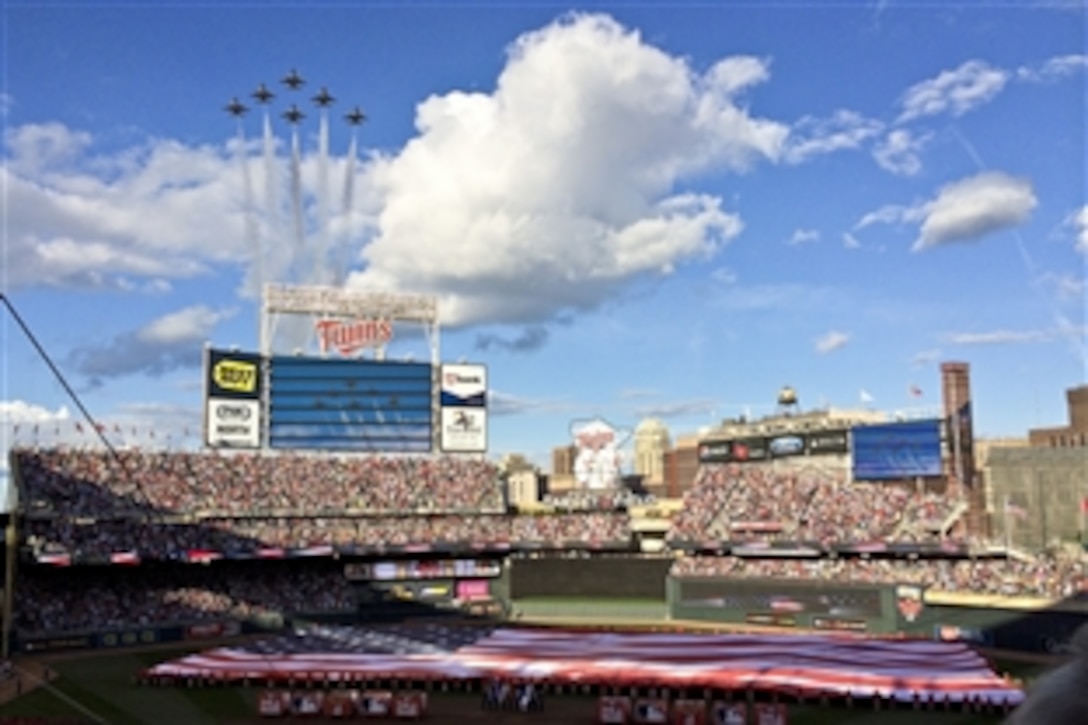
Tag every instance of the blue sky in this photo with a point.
(625, 210)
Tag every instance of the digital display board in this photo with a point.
(782, 598)
(350, 405)
(895, 451)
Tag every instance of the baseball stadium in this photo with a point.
(342, 548)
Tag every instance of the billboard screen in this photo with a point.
(232, 402)
(828, 442)
(463, 416)
(350, 405)
(785, 597)
(897, 450)
(743, 450)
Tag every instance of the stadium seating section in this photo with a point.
(81, 506)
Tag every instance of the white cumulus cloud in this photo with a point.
(963, 210)
(974, 207)
(953, 91)
(558, 187)
(18, 412)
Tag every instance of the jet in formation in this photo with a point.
(262, 95)
(293, 115)
(356, 116)
(293, 80)
(324, 99)
(236, 108)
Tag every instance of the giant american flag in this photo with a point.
(809, 665)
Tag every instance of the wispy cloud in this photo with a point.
(637, 393)
(500, 404)
(1065, 287)
(737, 298)
(953, 91)
(1054, 69)
(1014, 337)
(803, 236)
(684, 409)
(899, 152)
(530, 339)
(849, 241)
(832, 341)
(925, 357)
(724, 275)
(1078, 220)
(168, 343)
(844, 130)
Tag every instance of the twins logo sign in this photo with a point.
(598, 459)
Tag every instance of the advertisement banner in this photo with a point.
(233, 375)
(233, 423)
(463, 386)
(232, 407)
(783, 598)
(786, 445)
(715, 452)
(750, 449)
(473, 589)
(827, 442)
(464, 430)
(896, 451)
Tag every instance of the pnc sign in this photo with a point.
(352, 336)
(235, 375)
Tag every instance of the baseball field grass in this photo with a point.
(100, 688)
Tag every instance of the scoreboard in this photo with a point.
(350, 405)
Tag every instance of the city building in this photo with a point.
(1075, 434)
(524, 487)
(562, 477)
(651, 444)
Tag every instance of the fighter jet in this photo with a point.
(324, 99)
(262, 95)
(356, 116)
(293, 115)
(235, 108)
(293, 80)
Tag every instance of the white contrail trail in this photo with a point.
(320, 254)
(271, 206)
(296, 193)
(349, 202)
(250, 211)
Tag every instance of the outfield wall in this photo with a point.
(788, 604)
(607, 577)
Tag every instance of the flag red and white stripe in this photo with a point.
(906, 670)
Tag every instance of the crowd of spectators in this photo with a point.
(1047, 577)
(733, 502)
(95, 483)
(57, 602)
(57, 536)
